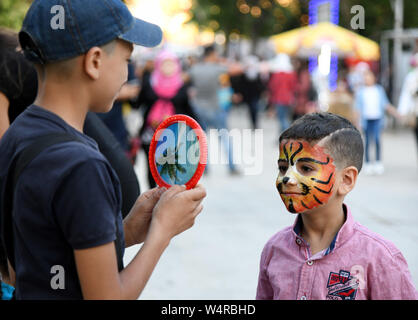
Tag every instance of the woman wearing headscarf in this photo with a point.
(163, 95)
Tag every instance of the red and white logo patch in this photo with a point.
(342, 286)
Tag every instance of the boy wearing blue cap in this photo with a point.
(66, 238)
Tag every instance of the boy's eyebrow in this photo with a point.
(314, 160)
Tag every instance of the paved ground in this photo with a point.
(218, 258)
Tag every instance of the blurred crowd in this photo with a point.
(207, 86)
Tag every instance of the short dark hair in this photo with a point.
(8, 40)
(208, 50)
(12, 61)
(344, 141)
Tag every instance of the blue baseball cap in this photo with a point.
(55, 30)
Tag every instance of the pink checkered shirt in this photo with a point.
(358, 264)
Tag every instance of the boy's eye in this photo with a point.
(283, 169)
(305, 169)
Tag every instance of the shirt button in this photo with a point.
(303, 298)
(298, 241)
(310, 262)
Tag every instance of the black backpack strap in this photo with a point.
(19, 163)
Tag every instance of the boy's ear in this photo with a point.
(93, 60)
(348, 180)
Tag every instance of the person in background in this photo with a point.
(408, 101)
(225, 94)
(226, 98)
(282, 89)
(144, 68)
(342, 103)
(18, 87)
(18, 80)
(163, 95)
(252, 87)
(188, 62)
(305, 95)
(204, 77)
(356, 76)
(372, 102)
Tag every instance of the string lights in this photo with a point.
(334, 7)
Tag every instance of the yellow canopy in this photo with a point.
(308, 40)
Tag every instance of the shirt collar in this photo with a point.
(341, 236)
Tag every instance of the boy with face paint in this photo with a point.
(326, 254)
(306, 175)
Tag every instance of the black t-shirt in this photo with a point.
(18, 82)
(250, 89)
(67, 198)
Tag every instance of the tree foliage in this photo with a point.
(12, 13)
(274, 18)
(257, 18)
(249, 18)
(379, 16)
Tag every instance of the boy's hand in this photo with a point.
(176, 211)
(137, 222)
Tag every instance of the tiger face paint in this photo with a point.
(306, 175)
